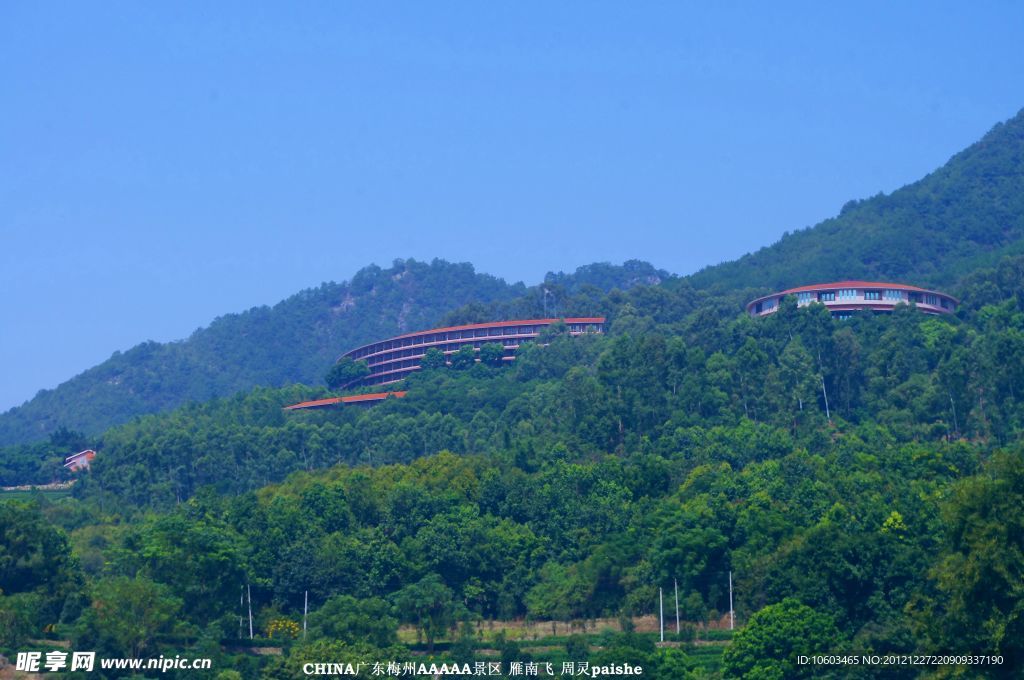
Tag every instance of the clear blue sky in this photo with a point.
(164, 163)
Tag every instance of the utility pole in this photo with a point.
(248, 591)
(305, 610)
(823, 392)
(828, 414)
(675, 583)
(661, 610)
(732, 614)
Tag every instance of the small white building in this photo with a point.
(80, 460)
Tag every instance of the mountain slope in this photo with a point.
(966, 214)
(294, 341)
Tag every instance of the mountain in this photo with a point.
(967, 214)
(295, 341)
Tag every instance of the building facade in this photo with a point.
(395, 358)
(843, 298)
(79, 461)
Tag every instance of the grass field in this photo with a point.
(27, 494)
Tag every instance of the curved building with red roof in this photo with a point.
(843, 298)
(395, 358)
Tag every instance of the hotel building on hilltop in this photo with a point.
(395, 358)
(843, 298)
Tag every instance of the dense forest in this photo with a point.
(860, 479)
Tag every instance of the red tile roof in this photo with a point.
(352, 399)
(88, 453)
(498, 324)
(855, 284)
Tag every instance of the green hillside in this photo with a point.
(860, 479)
(966, 214)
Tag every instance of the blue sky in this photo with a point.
(161, 164)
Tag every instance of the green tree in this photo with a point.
(201, 560)
(560, 594)
(577, 648)
(433, 358)
(352, 620)
(627, 648)
(799, 380)
(34, 555)
(464, 358)
(429, 604)
(768, 646)
(979, 577)
(19, 618)
(345, 371)
(128, 615)
(491, 354)
(751, 365)
(673, 663)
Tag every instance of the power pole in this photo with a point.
(248, 591)
(661, 610)
(305, 610)
(828, 414)
(675, 583)
(732, 614)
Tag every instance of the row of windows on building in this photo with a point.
(449, 347)
(806, 297)
(433, 338)
(890, 295)
(391, 359)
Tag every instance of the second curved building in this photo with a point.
(843, 298)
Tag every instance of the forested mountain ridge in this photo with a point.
(295, 341)
(967, 214)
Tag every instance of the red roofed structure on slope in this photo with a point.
(332, 402)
